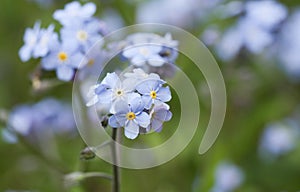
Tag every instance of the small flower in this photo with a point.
(159, 114)
(110, 90)
(46, 37)
(21, 119)
(139, 75)
(30, 41)
(82, 35)
(48, 114)
(74, 13)
(228, 177)
(140, 55)
(131, 116)
(63, 58)
(153, 92)
(279, 139)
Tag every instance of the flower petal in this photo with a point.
(131, 130)
(64, 73)
(164, 94)
(143, 119)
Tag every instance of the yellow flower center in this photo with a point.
(62, 56)
(130, 116)
(82, 35)
(91, 62)
(119, 92)
(153, 94)
(144, 51)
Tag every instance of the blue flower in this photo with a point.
(279, 138)
(153, 92)
(21, 119)
(130, 116)
(111, 90)
(74, 13)
(63, 58)
(37, 42)
(30, 38)
(43, 45)
(159, 114)
(83, 35)
(48, 114)
(139, 75)
(228, 177)
(142, 54)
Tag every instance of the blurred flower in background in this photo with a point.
(46, 116)
(253, 31)
(289, 45)
(228, 177)
(279, 138)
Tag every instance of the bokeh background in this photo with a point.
(257, 47)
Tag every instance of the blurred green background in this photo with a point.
(259, 93)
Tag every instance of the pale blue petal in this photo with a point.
(143, 119)
(131, 130)
(64, 73)
(111, 79)
(138, 60)
(25, 53)
(50, 62)
(120, 107)
(105, 96)
(88, 9)
(76, 59)
(121, 119)
(112, 121)
(136, 104)
(145, 87)
(163, 115)
(147, 101)
(129, 84)
(156, 125)
(130, 52)
(156, 61)
(164, 94)
(154, 48)
(93, 101)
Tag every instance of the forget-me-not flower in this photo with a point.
(279, 138)
(82, 35)
(131, 116)
(74, 13)
(159, 114)
(253, 31)
(46, 36)
(228, 177)
(46, 114)
(30, 38)
(153, 92)
(139, 75)
(111, 90)
(63, 58)
(142, 54)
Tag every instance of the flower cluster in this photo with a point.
(253, 31)
(48, 114)
(64, 52)
(136, 101)
(149, 51)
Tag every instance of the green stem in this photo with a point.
(116, 177)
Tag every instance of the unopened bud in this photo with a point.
(87, 153)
